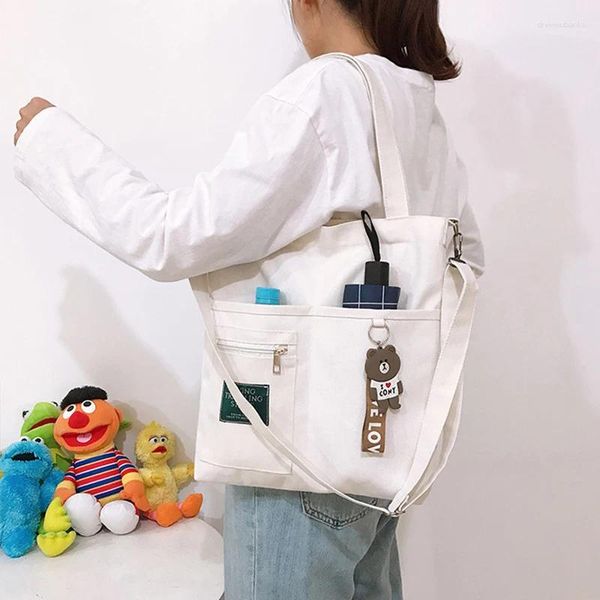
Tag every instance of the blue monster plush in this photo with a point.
(26, 489)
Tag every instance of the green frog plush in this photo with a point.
(38, 424)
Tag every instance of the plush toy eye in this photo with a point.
(39, 440)
(55, 403)
(163, 439)
(88, 406)
(154, 439)
(24, 438)
(68, 411)
(24, 414)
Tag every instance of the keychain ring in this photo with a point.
(387, 334)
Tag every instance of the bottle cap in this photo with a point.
(266, 295)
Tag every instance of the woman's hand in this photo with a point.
(32, 108)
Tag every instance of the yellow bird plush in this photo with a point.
(154, 447)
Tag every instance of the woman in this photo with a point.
(305, 153)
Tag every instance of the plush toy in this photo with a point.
(154, 446)
(38, 423)
(26, 489)
(55, 534)
(101, 487)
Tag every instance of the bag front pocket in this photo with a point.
(263, 365)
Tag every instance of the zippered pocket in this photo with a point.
(263, 365)
(275, 351)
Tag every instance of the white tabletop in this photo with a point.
(182, 562)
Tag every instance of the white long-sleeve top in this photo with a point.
(304, 152)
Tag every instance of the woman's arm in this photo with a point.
(270, 188)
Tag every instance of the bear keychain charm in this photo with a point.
(383, 390)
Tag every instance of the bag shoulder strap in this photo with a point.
(457, 316)
(391, 170)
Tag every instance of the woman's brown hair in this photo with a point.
(406, 32)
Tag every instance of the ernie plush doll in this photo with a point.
(101, 487)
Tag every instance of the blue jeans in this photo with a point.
(282, 545)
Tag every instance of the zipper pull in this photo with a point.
(277, 354)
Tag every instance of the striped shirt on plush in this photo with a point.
(101, 475)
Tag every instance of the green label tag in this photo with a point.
(256, 394)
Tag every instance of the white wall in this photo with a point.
(166, 88)
(515, 513)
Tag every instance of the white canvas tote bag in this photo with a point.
(302, 363)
